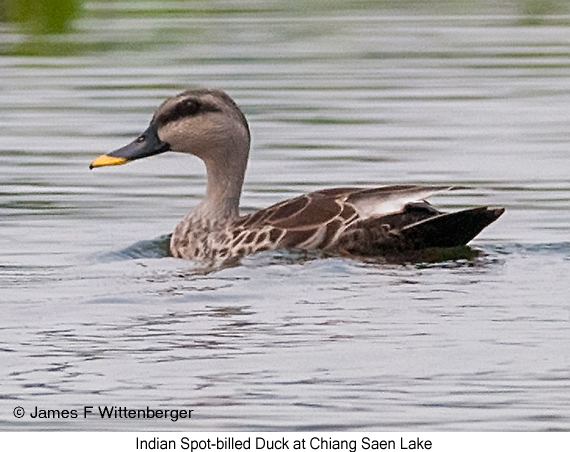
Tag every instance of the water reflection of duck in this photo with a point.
(389, 222)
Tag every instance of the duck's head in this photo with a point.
(203, 122)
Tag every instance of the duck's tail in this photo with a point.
(448, 229)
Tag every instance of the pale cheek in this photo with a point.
(196, 137)
(175, 138)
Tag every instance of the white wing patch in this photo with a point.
(378, 202)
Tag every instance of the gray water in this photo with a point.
(95, 313)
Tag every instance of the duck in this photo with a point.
(389, 223)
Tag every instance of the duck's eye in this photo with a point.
(188, 108)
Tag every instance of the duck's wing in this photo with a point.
(418, 227)
(319, 219)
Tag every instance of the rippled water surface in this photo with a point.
(96, 313)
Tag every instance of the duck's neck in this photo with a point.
(223, 190)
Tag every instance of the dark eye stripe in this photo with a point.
(183, 109)
(188, 107)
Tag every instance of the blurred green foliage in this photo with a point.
(39, 19)
(534, 10)
(41, 16)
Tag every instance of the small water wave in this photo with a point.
(530, 249)
(145, 249)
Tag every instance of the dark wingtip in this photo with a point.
(497, 211)
(451, 229)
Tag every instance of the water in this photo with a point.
(95, 313)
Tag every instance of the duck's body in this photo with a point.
(385, 222)
(335, 221)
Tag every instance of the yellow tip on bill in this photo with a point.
(106, 160)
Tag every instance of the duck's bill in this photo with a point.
(144, 146)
